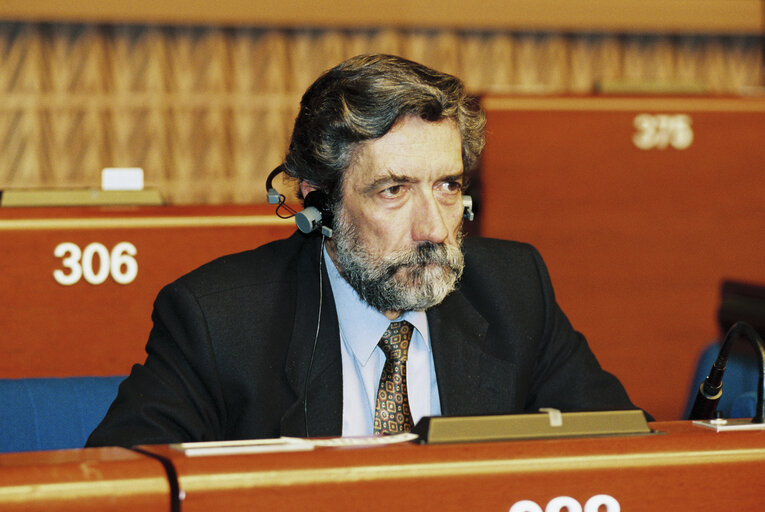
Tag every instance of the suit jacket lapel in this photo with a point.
(324, 401)
(471, 380)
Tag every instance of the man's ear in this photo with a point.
(305, 188)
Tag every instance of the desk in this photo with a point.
(97, 479)
(78, 283)
(683, 467)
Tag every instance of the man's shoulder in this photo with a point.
(488, 250)
(493, 263)
(505, 281)
(271, 263)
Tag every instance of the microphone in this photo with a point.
(710, 390)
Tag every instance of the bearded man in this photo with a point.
(391, 318)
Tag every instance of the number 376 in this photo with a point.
(95, 263)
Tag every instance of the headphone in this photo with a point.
(316, 213)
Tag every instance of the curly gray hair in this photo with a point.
(361, 99)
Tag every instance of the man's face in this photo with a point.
(397, 239)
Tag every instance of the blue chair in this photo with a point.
(52, 413)
(744, 405)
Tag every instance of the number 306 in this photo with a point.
(96, 263)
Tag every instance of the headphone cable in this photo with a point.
(316, 337)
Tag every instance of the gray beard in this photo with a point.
(406, 280)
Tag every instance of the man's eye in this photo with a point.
(452, 186)
(392, 191)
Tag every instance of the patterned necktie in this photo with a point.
(392, 414)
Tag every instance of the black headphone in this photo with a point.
(317, 214)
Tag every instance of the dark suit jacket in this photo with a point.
(232, 345)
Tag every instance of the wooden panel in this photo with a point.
(102, 479)
(77, 98)
(637, 240)
(676, 16)
(639, 473)
(50, 329)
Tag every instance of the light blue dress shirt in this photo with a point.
(361, 328)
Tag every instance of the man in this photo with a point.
(283, 340)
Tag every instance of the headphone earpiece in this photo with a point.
(315, 214)
(467, 203)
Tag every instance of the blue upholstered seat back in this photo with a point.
(739, 381)
(52, 413)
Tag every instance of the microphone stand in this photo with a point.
(710, 390)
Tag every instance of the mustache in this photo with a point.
(422, 255)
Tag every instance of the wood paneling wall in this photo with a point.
(207, 110)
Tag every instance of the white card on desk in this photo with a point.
(282, 444)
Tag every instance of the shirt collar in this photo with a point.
(362, 326)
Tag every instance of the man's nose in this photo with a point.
(429, 221)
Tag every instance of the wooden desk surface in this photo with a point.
(682, 467)
(86, 309)
(97, 479)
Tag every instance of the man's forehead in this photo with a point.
(414, 130)
(410, 151)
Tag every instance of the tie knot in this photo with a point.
(395, 342)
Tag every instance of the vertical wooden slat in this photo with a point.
(207, 111)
